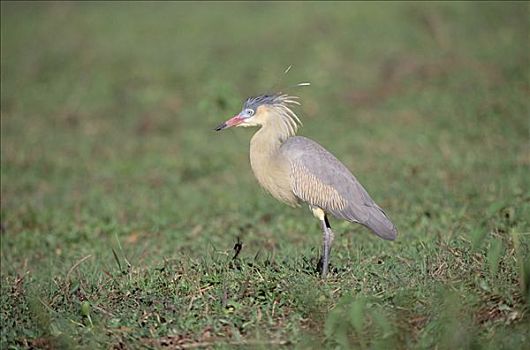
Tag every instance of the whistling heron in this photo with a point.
(296, 170)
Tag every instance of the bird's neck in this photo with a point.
(270, 167)
(267, 141)
(271, 136)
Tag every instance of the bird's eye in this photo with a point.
(250, 112)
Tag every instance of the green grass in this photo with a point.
(121, 206)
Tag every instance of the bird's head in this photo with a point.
(264, 109)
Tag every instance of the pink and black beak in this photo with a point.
(238, 119)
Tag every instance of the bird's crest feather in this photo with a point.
(280, 104)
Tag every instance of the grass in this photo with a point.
(121, 206)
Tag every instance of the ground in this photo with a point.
(121, 206)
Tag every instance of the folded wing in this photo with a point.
(321, 180)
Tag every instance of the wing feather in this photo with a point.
(321, 180)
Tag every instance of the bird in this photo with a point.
(297, 170)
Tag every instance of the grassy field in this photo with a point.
(121, 206)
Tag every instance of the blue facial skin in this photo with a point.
(250, 107)
(247, 113)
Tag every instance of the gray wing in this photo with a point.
(320, 179)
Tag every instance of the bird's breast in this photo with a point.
(272, 173)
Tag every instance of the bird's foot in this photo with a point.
(320, 265)
(321, 268)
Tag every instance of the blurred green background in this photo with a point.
(121, 205)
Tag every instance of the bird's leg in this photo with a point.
(326, 246)
(324, 258)
(328, 236)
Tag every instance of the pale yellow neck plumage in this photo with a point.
(269, 166)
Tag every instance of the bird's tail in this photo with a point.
(380, 224)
